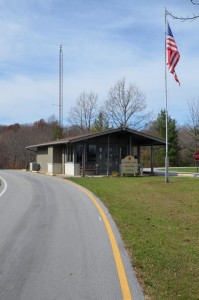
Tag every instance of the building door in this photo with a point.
(102, 159)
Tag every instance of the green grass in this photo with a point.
(159, 224)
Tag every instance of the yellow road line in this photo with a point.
(118, 260)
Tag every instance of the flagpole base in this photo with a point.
(166, 170)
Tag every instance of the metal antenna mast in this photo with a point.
(61, 86)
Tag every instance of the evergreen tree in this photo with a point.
(101, 122)
(173, 139)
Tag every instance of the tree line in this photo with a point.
(125, 106)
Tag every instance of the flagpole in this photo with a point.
(166, 115)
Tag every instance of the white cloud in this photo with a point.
(103, 41)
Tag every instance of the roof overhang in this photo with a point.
(141, 139)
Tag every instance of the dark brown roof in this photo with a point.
(142, 138)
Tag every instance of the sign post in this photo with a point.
(196, 157)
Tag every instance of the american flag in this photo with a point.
(173, 54)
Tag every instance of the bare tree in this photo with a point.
(83, 113)
(193, 120)
(126, 105)
(187, 146)
(15, 138)
(195, 16)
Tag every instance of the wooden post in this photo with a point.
(84, 160)
(152, 159)
(108, 149)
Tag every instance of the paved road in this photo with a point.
(160, 172)
(54, 244)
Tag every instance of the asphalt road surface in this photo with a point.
(54, 244)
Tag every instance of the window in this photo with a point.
(91, 153)
(123, 152)
(80, 150)
(70, 153)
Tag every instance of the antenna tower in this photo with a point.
(61, 86)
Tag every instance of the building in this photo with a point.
(93, 154)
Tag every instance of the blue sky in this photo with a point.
(103, 41)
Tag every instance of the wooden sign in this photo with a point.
(129, 165)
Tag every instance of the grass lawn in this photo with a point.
(159, 224)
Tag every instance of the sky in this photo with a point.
(103, 42)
